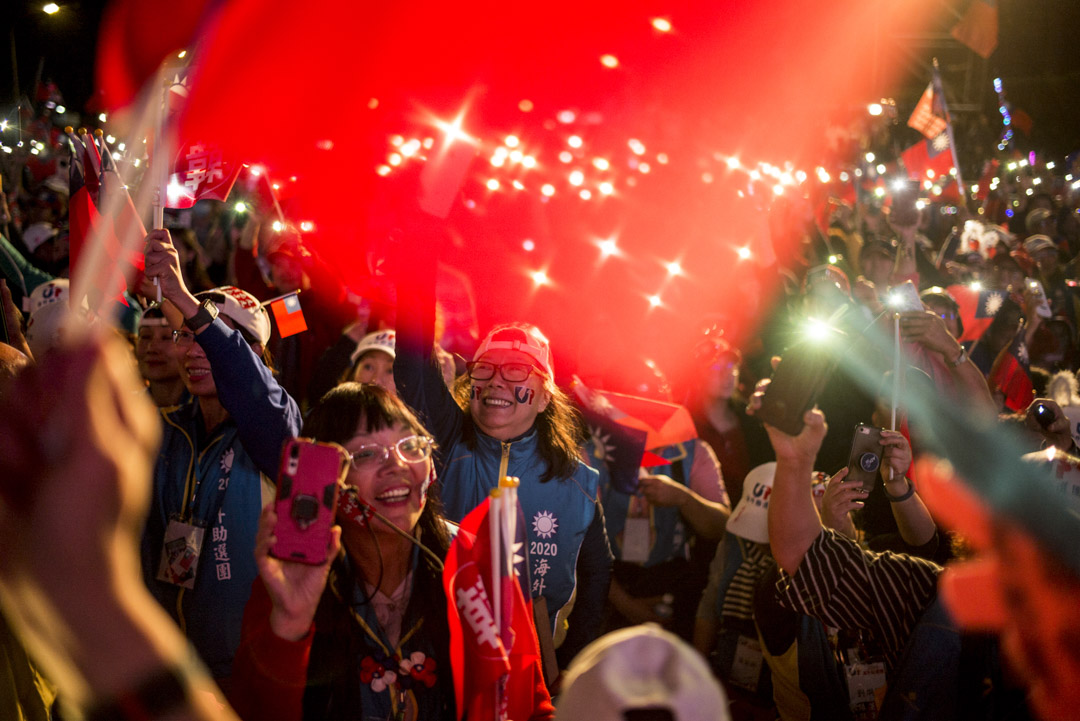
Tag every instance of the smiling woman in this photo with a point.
(507, 417)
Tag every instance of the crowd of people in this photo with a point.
(798, 579)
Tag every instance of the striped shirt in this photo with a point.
(847, 587)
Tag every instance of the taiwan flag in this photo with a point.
(977, 308)
(288, 315)
(930, 158)
(1012, 375)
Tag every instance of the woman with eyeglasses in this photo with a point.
(365, 635)
(506, 416)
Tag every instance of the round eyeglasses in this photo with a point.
(510, 372)
(183, 337)
(410, 449)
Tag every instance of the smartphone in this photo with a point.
(1043, 308)
(797, 383)
(1043, 415)
(905, 210)
(904, 298)
(307, 495)
(865, 459)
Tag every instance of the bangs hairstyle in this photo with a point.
(337, 417)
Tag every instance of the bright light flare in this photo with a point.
(3, 125)
(601, 163)
(655, 301)
(512, 141)
(453, 130)
(743, 253)
(307, 226)
(493, 184)
(874, 109)
(540, 278)
(51, 9)
(733, 163)
(609, 61)
(566, 156)
(636, 146)
(816, 330)
(606, 188)
(278, 226)
(674, 268)
(608, 247)
(662, 25)
(547, 189)
(241, 207)
(577, 178)
(529, 162)
(823, 175)
(410, 148)
(529, 245)
(574, 141)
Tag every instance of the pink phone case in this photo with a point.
(307, 494)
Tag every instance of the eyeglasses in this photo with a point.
(411, 449)
(510, 372)
(950, 315)
(183, 337)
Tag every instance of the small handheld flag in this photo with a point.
(288, 315)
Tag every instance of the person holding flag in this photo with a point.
(367, 633)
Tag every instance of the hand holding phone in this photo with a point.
(797, 382)
(307, 494)
(865, 459)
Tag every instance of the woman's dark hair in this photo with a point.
(336, 418)
(352, 407)
(558, 426)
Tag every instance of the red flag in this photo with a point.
(483, 661)
(978, 29)
(288, 315)
(930, 158)
(200, 170)
(977, 308)
(665, 424)
(1011, 373)
(85, 222)
(923, 118)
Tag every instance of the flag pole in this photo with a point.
(495, 505)
(939, 87)
(160, 166)
(896, 377)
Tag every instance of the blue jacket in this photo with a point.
(213, 479)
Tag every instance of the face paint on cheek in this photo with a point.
(475, 393)
(524, 395)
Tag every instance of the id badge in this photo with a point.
(180, 554)
(636, 540)
(866, 687)
(746, 667)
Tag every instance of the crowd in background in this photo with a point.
(809, 594)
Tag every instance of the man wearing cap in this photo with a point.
(219, 449)
(876, 260)
(1060, 292)
(509, 418)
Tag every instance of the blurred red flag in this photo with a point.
(930, 158)
(923, 118)
(480, 658)
(978, 29)
(1011, 373)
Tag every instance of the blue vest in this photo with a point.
(557, 513)
(667, 532)
(227, 503)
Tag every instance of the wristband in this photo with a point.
(203, 316)
(903, 497)
(154, 697)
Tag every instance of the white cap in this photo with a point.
(641, 667)
(750, 519)
(242, 308)
(37, 234)
(54, 291)
(384, 340)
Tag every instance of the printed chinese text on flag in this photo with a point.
(1011, 373)
(924, 118)
(288, 315)
(200, 172)
(483, 659)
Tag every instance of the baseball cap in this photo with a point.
(54, 291)
(750, 519)
(1038, 243)
(383, 340)
(47, 326)
(38, 233)
(641, 668)
(242, 308)
(520, 337)
(1035, 218)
